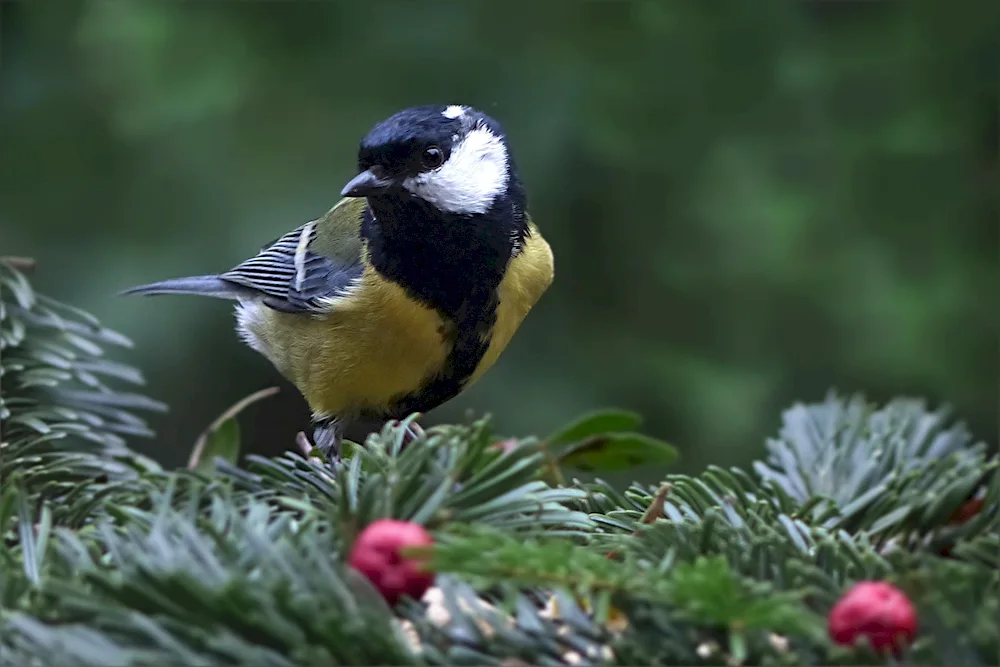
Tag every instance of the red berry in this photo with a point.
(376, 555)
(876, 610)
(966, 511)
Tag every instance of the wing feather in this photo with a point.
(294, 278)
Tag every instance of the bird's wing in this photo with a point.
(293, 277)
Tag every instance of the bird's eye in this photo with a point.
(432, 158)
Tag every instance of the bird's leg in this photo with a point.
(304, 443)
(328, 436)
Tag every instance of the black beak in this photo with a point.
(370, 182)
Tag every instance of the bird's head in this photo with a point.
(454, 158)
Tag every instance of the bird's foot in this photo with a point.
(327, 437)
(304, 443)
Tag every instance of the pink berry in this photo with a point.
(876, 610)
(376, 555)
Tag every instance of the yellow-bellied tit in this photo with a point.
(407, 290)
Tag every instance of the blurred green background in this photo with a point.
(749, 203)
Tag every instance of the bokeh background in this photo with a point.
(749, 202)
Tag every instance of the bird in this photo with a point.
(407, 291)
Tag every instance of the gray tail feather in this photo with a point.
(212, 286)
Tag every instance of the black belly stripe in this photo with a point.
(469, 339)
(453, 264)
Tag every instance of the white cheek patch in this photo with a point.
(470, 180)
(454, 111)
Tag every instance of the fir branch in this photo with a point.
(63, 421)
(491, 555)
(107, 559)
(245, 587)
(449, 474)
(459, 627)
(849, 450)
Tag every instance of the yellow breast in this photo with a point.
(378, 344)
(375, 345)
(530, 273)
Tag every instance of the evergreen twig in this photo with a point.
(106, 559)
